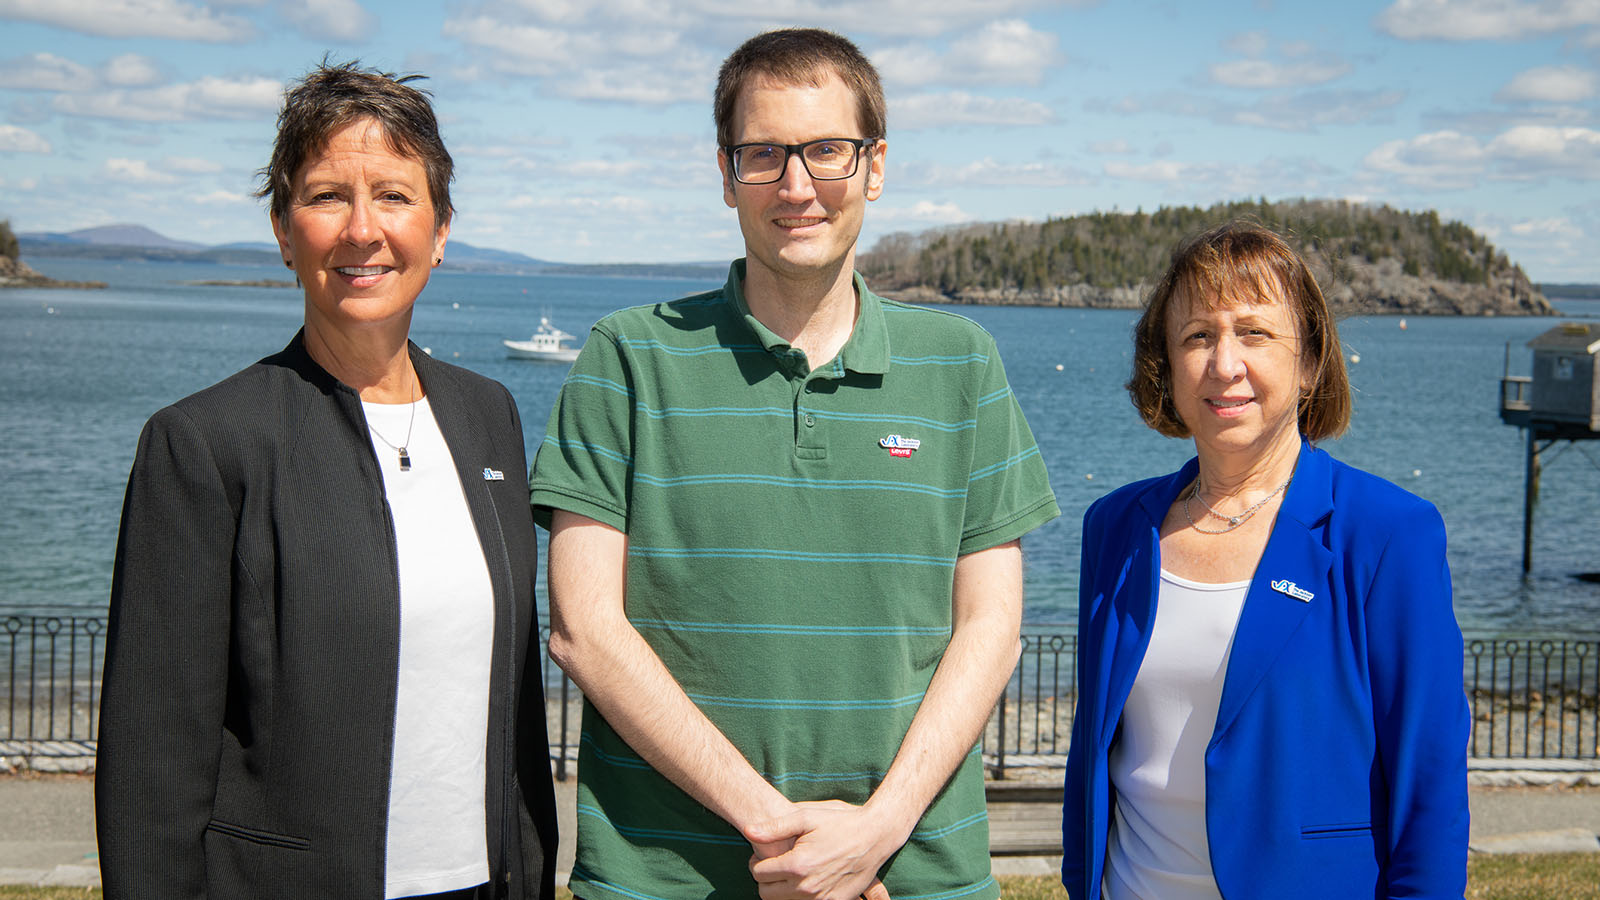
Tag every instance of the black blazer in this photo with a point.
(249, 688)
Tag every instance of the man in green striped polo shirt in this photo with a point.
(785, 562)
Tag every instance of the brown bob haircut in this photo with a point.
(799, 56)
(331, 97)
(1242, 262)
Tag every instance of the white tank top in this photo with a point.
(436, 832)
(1157, 849)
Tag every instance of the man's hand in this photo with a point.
(827, 850)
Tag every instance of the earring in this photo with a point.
(288, 264)
(439, 261)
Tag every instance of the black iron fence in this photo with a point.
(1533, 697)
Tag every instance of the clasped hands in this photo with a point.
(823, 850)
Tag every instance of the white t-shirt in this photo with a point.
(436, 832)
(1157, 849)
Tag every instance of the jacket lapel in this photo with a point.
(1135, 600)
(1294, 565)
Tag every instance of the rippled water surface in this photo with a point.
(82, 370)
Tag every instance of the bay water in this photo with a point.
(82, 370)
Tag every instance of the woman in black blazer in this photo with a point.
(322, 607)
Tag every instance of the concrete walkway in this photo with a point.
(47, 825)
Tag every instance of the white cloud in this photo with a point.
(172, 19)
(223, 198)
(131, 70)
(1302, 111)
(889, 18)
(136, 171)
(1247, 43)
(330, 20)
(45, 72)
(1550, 84)
(924, 212)
(1441, 160)
(642, 84)
(15, 139)
(1490, 121)
(191, 165)
(1008, 51)
(1203, 182)
(912, 64)
(1111, 148)
(1532, 150)
(1263, 74)
(647, 53)
(599, 64)
(604, 169)
(1450, 160)
(520, 147)
(1558, 227)
(1158, 171)
(208, 98)
(961, 108)
(1497, 20)
(989, 173)
(626, 204)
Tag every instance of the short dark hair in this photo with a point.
(800, 56)
(1242, 262)
(331, 97)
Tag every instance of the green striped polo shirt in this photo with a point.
(792, 538)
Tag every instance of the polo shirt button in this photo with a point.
(809, 388)
(810, 420)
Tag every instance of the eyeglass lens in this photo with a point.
(764, 163)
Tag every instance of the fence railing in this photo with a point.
(1532, 697)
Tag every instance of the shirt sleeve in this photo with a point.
(585, 463)
(1008, 492)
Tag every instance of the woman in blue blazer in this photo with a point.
(1270, 700)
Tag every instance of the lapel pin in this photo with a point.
(493, 475)
(1288, 587)
(898, 446)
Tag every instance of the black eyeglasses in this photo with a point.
(827, 159)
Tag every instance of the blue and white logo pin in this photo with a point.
(899, 446)
(493, 475)
(1285, 586)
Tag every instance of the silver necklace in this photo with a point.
(1233, 521)
(405, 458)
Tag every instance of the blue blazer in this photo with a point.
(1337, 767)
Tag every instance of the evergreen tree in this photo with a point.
(8, 241)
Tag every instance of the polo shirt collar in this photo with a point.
(866, 351)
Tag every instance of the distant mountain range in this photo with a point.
(136, 242)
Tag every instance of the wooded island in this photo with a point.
(1370, 259)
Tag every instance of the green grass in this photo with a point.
(1532, 876)
(1542, 876)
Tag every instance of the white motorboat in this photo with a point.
(545, 344)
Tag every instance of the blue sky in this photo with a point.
(582, 130)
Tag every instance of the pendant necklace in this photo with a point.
(1233, 521)
(405, 458)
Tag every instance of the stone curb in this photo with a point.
(1565, 840)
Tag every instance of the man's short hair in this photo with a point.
(800, 56)
(1242, 262)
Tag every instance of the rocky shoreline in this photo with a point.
(258, 283)
(1364, 290)
(14, 273)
